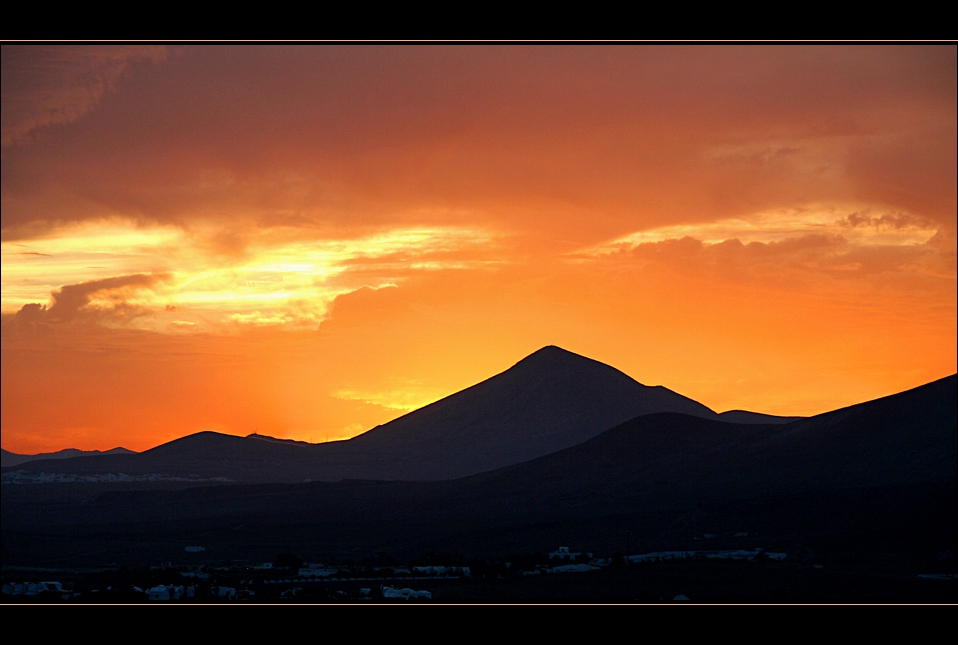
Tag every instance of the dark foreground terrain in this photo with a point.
(696, 581)
(855, 505)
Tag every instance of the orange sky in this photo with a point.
(308, 241)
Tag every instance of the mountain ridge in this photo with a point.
(550, 400)
(652, 463)
(9, 459)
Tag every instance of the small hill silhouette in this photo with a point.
(9, 459)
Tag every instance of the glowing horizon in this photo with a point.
(310, 241)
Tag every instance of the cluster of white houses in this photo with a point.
(31, 588)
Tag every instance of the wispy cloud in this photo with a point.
(270, 282)
(861, 227)
(410, 397)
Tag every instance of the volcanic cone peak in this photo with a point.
(555, 360)
(550, 400)
(553, 355)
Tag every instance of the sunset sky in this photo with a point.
(307, 241)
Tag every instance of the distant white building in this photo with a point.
(166, 592)
(574, 568)
(195, 549)
(317, 571)
(405, 594)
(226, 592)
(737, 554)
(563, 553)
(195, 574)
(443, 571)
(31, 588)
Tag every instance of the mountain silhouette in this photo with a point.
(878, 476)
(551, 400)
(669, 460)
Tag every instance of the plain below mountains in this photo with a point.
(549, 401)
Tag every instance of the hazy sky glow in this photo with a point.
(308, 241)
